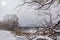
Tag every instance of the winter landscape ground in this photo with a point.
(6, 35)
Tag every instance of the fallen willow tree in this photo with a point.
(49, 31)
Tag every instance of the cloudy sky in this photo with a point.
(26, 16)
(7, 6)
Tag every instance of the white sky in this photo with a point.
(6, 6)
(25, 15)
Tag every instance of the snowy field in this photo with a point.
(42, 37)
(6, 35)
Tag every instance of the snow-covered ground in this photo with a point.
(43, 37)
(6, 35)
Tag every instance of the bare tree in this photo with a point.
(10, 23)
(42, 4)
(45, 5)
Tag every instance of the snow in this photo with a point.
(58, 37)
(21, 38)
(43, 37)
(6, 35)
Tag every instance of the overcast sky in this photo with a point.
(25, 15)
